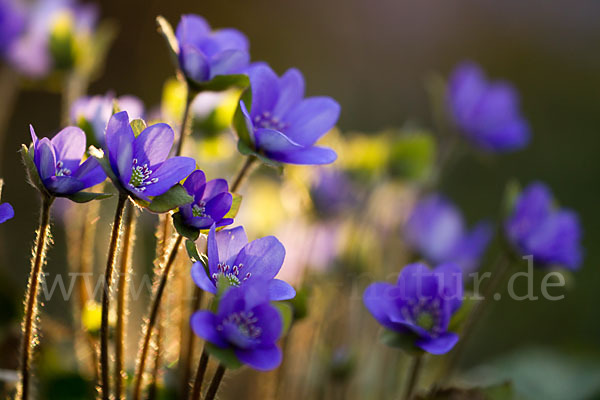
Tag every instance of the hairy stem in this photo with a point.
(186, 121)
(202, 364)
(216, 382)
(242, 174)
(31, 306)
(151, 321)
(190, 345)
(124, 270)
(110, 264)
(413, 377)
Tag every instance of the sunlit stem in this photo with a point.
(200, 372)
(186, 121)
(216, 382)
(124, 271)
(110, 264)
(31, 304)
(242, 174)
(189, 349)
(151, 320)
(413, 378)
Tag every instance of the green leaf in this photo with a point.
(31, 170)
(287, 315)
(412, 156)
(84, 197)
(166, 31)
(175, 197)
(225, 356)
(183, 229)
(221, 82)
(138, 125)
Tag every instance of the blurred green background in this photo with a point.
(374, 56)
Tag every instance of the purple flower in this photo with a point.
(331, 191)
(436, 229)
(487, 113)
(204, 54)
(141, 164)
(95, 111)
(12, 22)
(246, 323)
(538, 228)
(232, 258)
(6, 212)
(58, 162)
(212, 201)
(420, 305)
(282, 124)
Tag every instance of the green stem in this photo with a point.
(141, 363)
(242, 174)
(124, 269)
(110, 264)
(202, 364)
(186, 121)
(31, 306)
(216, 382)
(413, 377)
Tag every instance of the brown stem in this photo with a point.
(31, 307)
(190, 345)
(139, 375)
(186, 121)
(216, 382)
(414, 377)
(242, 174)
(122, 287)
(153, 387)
(110, 264)
(202, 364)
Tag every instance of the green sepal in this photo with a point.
(235, 206)
(239, 121)
(300, 303)
(225, 356)
(105, 164)
(184, 230)
(174, 198)
(194, 255)
(246, 150)
(166, 31)
(287, 315)
(512, 190)
(220, 83)
(461, 315)
(403, 341)
(137, 125)
(85, 197)
(31, 170)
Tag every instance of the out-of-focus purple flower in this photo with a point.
(12, 22)
(6, 212)
(282, 124)
(32, 54)
(331, 191)
(141, 164)
(58, 162)
(486, 112)
(538, 228)
(95, 111)
(232, 258)
(212, 201)
(246, 323)
(436, 229)
(420, 305)
(204, 53)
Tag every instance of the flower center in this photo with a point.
(425, 320)
(424, 314)
(140, 176)
(231, 274)
(199, 210)
(245, 321)
(61, 170)
(268, 121)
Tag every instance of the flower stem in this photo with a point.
(202, 364)
(413, 377)
(501, 268)
(31, 307)
(124, 270)
(242, 174)
(188, 351)
(216, 382)
(151, 322)
(186, 121)
(110, 264)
